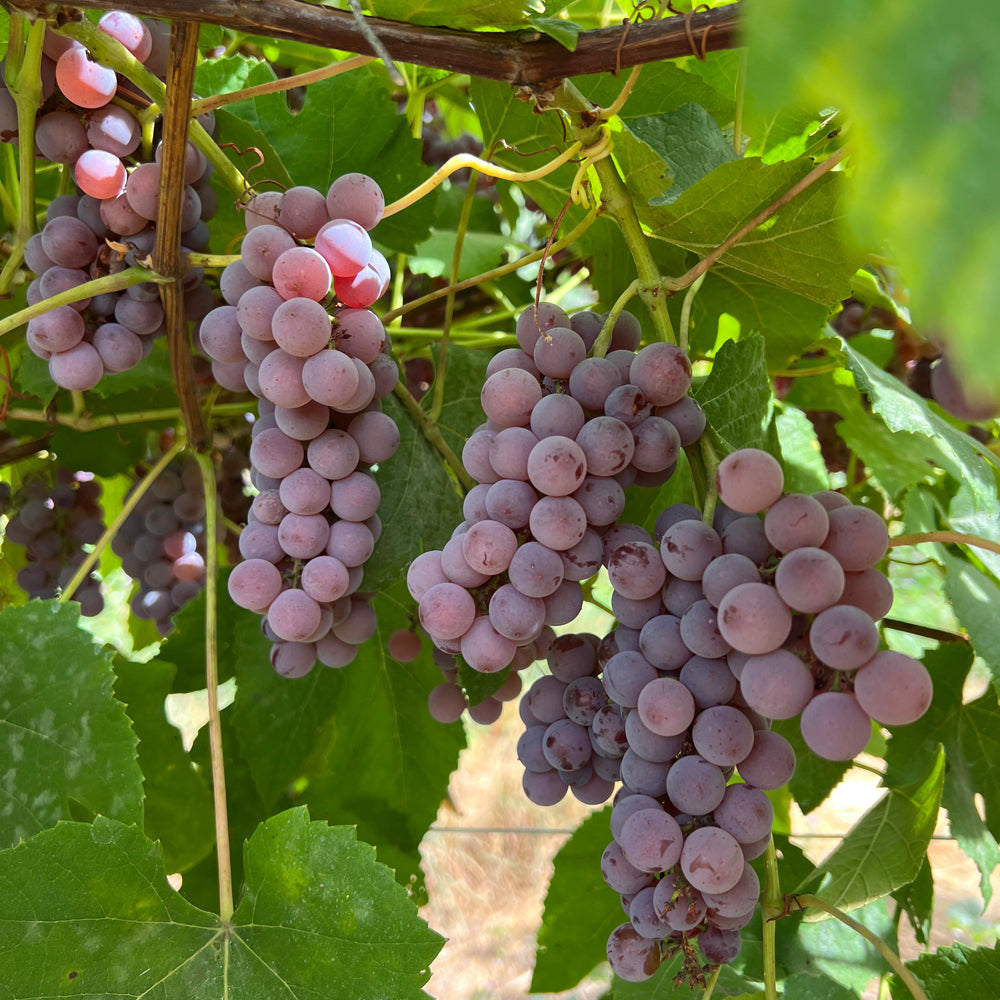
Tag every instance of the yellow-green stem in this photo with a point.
(770, 910)
(710, 985)
(600, 348)
(127, 507)
(741, 93)
(212, 686)
(432, 433)
(953, 537)
(685, 320)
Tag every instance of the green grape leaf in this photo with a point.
(920, 113)
(814, 777)
(801, 456)
(885, 848)
(564, 32)
(799, 248)
(64, 735)
(968, 733)
(480, 252)
(105, 452)
(358, 744)
(806, 987)
(945, 445)
(917, 901)
(956, 971)
(736, 396)
(975, 598)
(318, 917)
(453, 13)
(580, 910)
(687, 141)
(178, 802)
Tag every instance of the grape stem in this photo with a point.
(461, 160)
(168, 257)
(603, 342)
(26, 88)
(771, 909)
(127, 507)
(85, 423)
(695, 272)
(134, 275)
(212, 684)
(710, 985)
(685, 320)
(955, 537)
(909, 980)
(205, 104)
(433, 435)
(496, 272)
(938, 634)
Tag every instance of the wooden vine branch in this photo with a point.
(523, 58)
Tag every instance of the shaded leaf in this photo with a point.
(814, 777)
(63, 734)
(452, 13)
(801, 457)
(958, 971)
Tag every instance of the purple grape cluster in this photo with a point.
(53, 520)
(320, 429)
(574, 737)
(801, 613)
(85, 123)
(565, 435)
(162, 544)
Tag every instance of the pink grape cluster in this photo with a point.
(801, 608)
(162, 544)
(320, 430)
(565, 435)
(53, 521)
(85, 126)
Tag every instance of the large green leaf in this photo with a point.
(178, 806)
(580, 910)
(922, 94)
(975, 598)
(65, 738)
(357, 744)
(801, 456)
(736, 396)
(453, 13)
(958, 971)
(800, 248)
(970, 734)
(88, 911)
(885, 848)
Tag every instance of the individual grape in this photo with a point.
(60, 138)
(345, 245)
(355, 497)
(300, 326)
(583, 560)
(293, 615)
(79, 368)
(509, 396)
(645, 918)
(607, 444)
(753, 619)
(303, 536)
(564, 604)
(711, 860)
(678, 595)
(304, 423)
(275, 454)
(662, 372)
(509, 451)
(720, 947)
(749, 480)
(857, 538)
(558, 351)
(958, 398)
(120, 349)
(302, 211)
(539, 319)
(304, 492)
(893, 688)
(843, 637)
(725, 572)
(516, 616)
(219, 334)
(350, 542)
(456, 567)
(608, 732)
(687, 547)
(661, 643)
(746, 813)
(566, 745)
(636, 571)
(745, 536)
(649, 745)
(334, 454)
(357, 197)
(699, 629)
(558, 523)
(741, 900)
(778, 685)
(260, 541)
(797, 520)
(485, 649)
(626, 676)
(114, 130)
(665, 706)
(325, 579)
(710, 681)
(557, 414)
(529, 750)
(424, 572)
(261, 247)
(835, 726)
(509, 501)
(771, 762)
(488, 547)
(84, 82)
(592, 380)
(809, 580)
(583, 698)
(688, 419)
(544, 789)
(870, 590)
(57, 330)
(301, 272)
(254, 584)
(627, 404)
(695, 786)
(652, 841)
(723, 735)
(68, 242)
(367, 286)
(556, 466)
(129, 30)
(262, 210)
(671, 515)
(331, 377)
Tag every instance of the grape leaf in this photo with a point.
(814, 777)
(801, 456)
(64, 736)
(917, 901)
(968, 733)
(885, 848)
(956, 971)
(318, 917)
(580, 910)
(975, 598)
(736, 396)
(564, 32)
(920, 113)
(178, 803)
(453, 13)
(807, 987)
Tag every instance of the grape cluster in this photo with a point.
(85, 123)
(53, 521)
(801, 623)
(320, 427)
(565, 435)
(162, 543)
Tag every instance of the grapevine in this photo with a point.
(374, 390)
